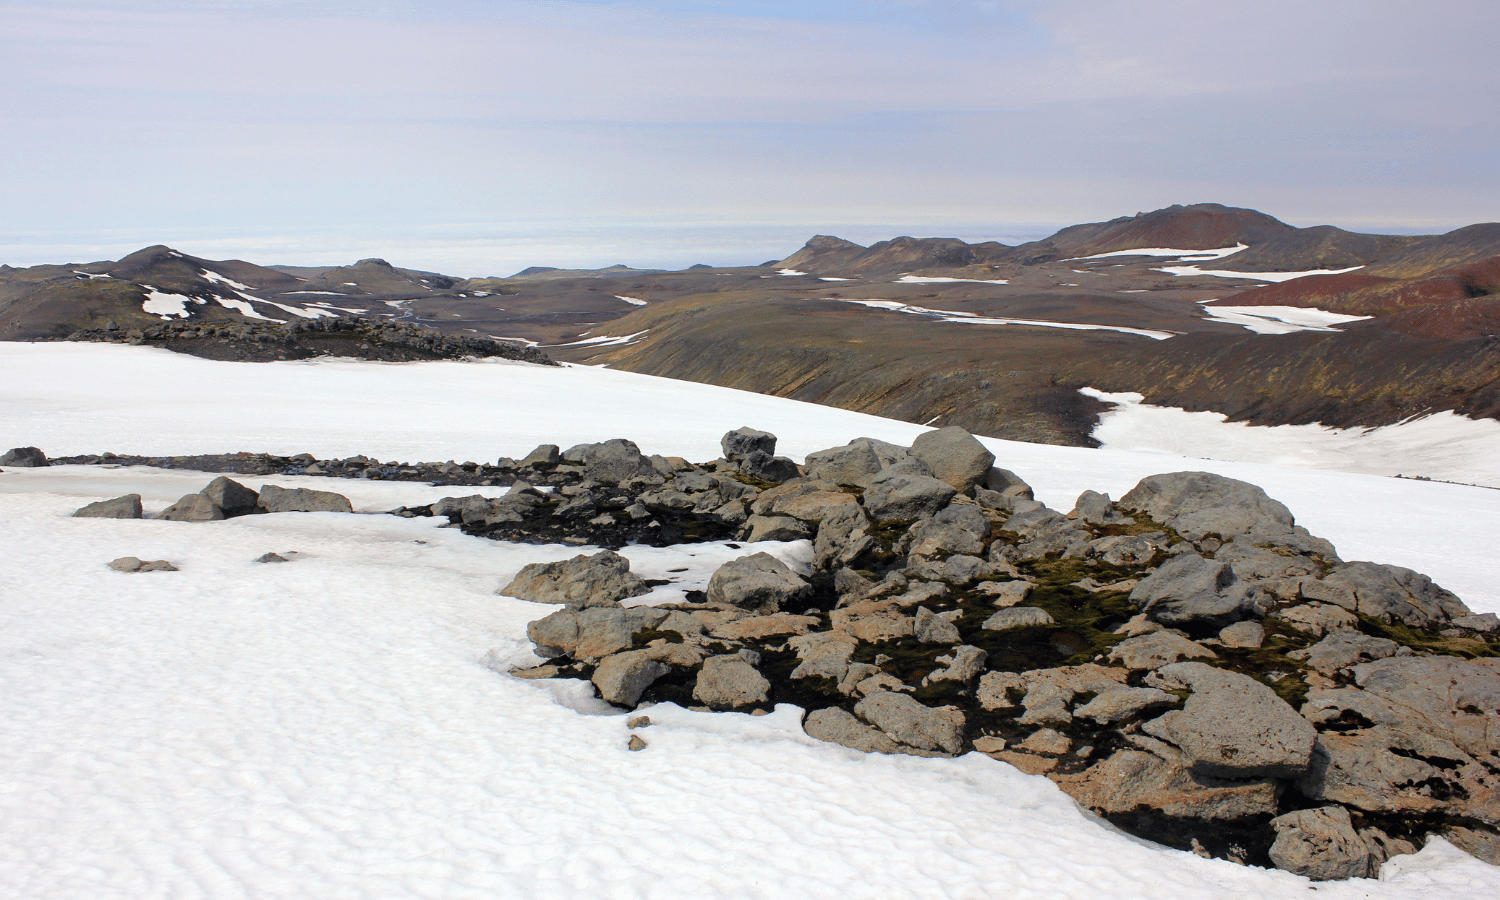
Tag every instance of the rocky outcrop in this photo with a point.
(1187, 662)
(23, 458)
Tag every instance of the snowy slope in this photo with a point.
(325, 728)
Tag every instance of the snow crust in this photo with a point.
(340, 725)
(1196, 255)
(1252, 276)
(964, 318)
(1278, 319)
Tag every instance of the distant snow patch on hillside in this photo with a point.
(789, 272)
(165, 304)
(1277, 277)
(631, 300)
(242, 306)
(939, 279)
(1190, 255)
(963, 318)
(216, 278)
(603, 341)
(1444, 446)
(1278, 319)
(833, 278)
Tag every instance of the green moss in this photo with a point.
(1427, 639)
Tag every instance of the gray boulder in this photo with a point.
(232, 497)
(622, 678)
(895, 496)
(909, 722)
(836, 726)
(1197, 504)
(23, 458)
(954, 456)
(1344, 649)
(1120, 704)
(1232, 726)
(1243, 635)
(774, 528)
(126, 507)
(764, 466)
(849, 465)
(1390, 593)
(1007, 484)
(1190, 589)
(967, 665)
(1096, 509)
(192, 508)
(583, 581)
(933, 629)
(1018, 617)
(544, 455)
(1134, 779)
(741, 442)
(822, 654)
(759, 581)
(615, 461)
(1320, 844)
(1160, 648)
(842, 538)
(279, 499)
(730, 682)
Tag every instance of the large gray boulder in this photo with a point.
(593, 633)
(842, 538)
(232, 497)
(1133, 779)
(730, 682)
(849, 465)
(126, 507)
(759, 581)
(614, 461)
(1386, 592)
(895, 496)
(773, 528)
(1188, 589)
(192, 508)
(622, 678)
(1197, 504)
(1232, 726)
(603, 579)
(1320, 844)
(23, 458)
(275, 499)
(1096, 509)
(545, 455)
(954, 456)
(837, 726)
(741, 442)
(765, 467)
(910, 723)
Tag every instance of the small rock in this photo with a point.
(638, 722)
(730, 682)
(989, 744)
(1018, 617)
(1152, 651)
(272, 558)
(134, 564)
(636, 743)
(759, 581)
(1244, 635)
(1320, 844)
(126, 507)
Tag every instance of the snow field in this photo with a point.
(963, 318)
(323, 728)
(1278, 319)
(1252, 276)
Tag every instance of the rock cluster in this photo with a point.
(307, 338)
(223, 498)
(1186, 661)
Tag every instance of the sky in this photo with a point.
(477, 137)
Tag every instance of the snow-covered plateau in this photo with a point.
(325, 728)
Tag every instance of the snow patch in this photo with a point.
(1278, 319)
(963, 318)
(939, 279)
(789, 272)
(1277, 277)
(241, 305)
(631, 300)
(833, 278)
(165, 304)
(1192, 255)
(603, 341)
(216, 278)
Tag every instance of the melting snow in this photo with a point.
(1198, 255)
(90, 275)
(165, 304)
(631, 300)
(242, 306)
(1252, 276)
(329, 727)
(789, 272)
(602, 341)
(1278, 319)
(963, 318)
(216, 278)
(938, 279)
(833, 278)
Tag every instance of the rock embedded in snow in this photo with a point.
(126, 507)
(135, 564)
(954, 456)
(623, 677)
(730, 682)
(23, 458)
(274, 498)
(192, 508)
(1320, 844)
(603, 579)
(232, 497)
(911, 724)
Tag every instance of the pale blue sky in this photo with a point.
(480, 137)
